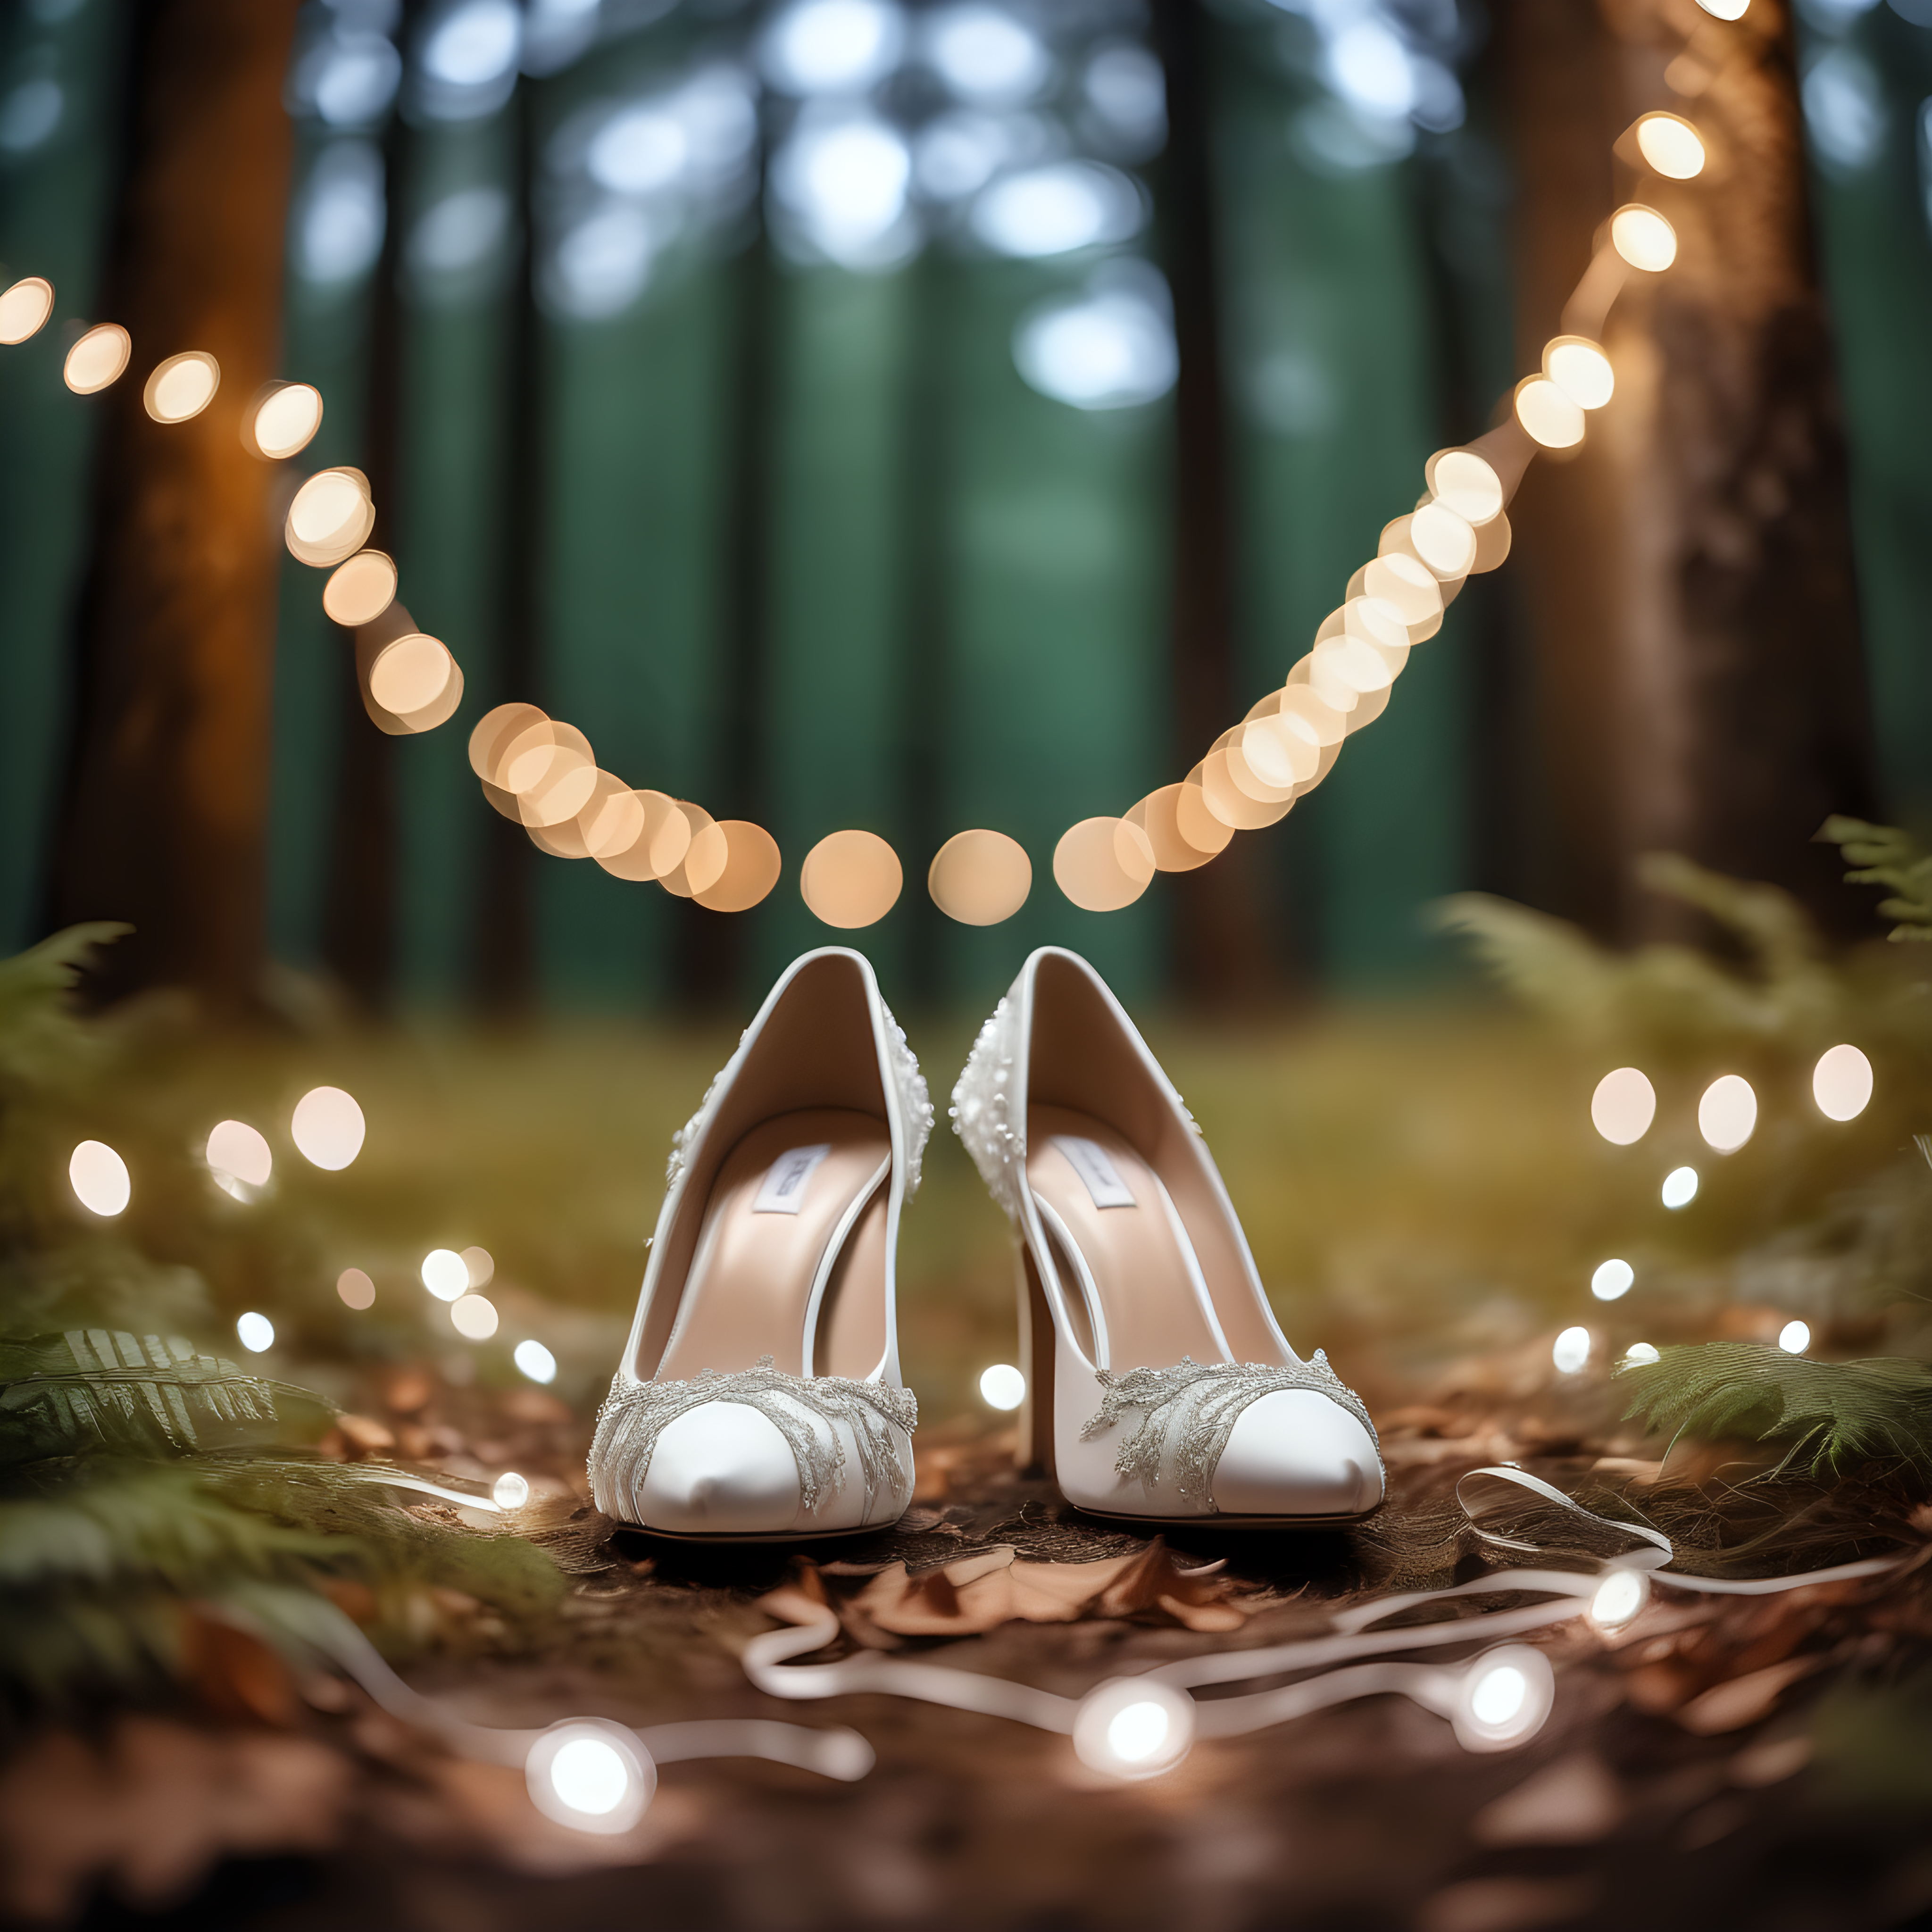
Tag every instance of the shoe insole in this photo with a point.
(1124, 1258)
(790, 1259)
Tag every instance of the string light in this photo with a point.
(590, 1775)
(24, 307)
(360, 590)
(1727, 1114)
(330, 516)
(1552, 417)
(256, 1332)
(851, 879)
(181, 387)
(1680, 1187)
(99, 1180)
(1623, 1106)
(1794, 1337)
(979, 877)
(1641, 1354)
(533, 1360)
(1670, 146)
(282, 421)
(1613, 1280)
(238, 1158)
(473, 1317)
(327, 1128)
(749, 870)
(1570, 1351)
(355, 1289)
(1103, 864)
(1580, 369)
(1619, 1599)
(97, 359)
(1643, 237)
(1133, 1727)
(1841, 1083)
(1002, 1387)
(444, 1274)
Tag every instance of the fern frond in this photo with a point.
(1772, 926)
(99, 1390)
(1546, 962)
(1886, 855)
(38, 1032)
(1839, 1413)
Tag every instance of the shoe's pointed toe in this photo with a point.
(1295, 1453)
(721, 1469)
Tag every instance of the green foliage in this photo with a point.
(40, 1039)
(98, 1391)
(1887, 856)
(1839, 1414)
(1671, 993)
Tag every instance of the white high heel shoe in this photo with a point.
(1158, 1384)
(759, 1396)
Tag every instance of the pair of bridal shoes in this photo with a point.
(759, 1397)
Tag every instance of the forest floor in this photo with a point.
(1719, 1763)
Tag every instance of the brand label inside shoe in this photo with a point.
(1089, 1159)
(782, 1190)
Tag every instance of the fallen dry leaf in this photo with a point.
(1743, 1700)
(994, 1586)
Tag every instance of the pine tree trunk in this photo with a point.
(166, 818)
(1688, 577)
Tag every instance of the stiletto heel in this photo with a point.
(1159, 1386)
(759, 1398)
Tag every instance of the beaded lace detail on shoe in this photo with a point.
(804, 1410)
(1190, 1410)
(981, 1109)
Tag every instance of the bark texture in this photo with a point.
(166, 816)
(1689, 576)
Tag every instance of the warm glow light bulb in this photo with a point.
(181, 387)
(589, 1776)
(99, 1178)
(1641, 1354)
(1643, 237)
(1571, 1350)
(1727, 1114)
(851, 879)
(1002, 1387)
(283, 423)
(535, 1360)
(1580, 369)
(1133, 1727)
(1841, 1083)
(360, 590)
(97, 359)
(1505, 1698)
(1680, 1187)
(1794, 1337)
(256, 1333)
(1670, 146)
(1619, 1596)
(1611, 1280)
(239, 1158)
(327, 1127)
(356, 1289)
(473, 1317)
(1623, 1106)
(444, 1274)
(1549, 416)
(979, 877)
(24, 307)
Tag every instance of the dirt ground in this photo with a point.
(1701, 1769)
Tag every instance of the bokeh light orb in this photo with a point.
(181, 387)
(1841, 1083)
(99, 1180)
(1623, 1106)
(851, 879)
(328, 1128)
(1727, 1113)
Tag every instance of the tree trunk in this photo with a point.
(1688, 577)
(165, 819)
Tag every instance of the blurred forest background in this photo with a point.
(702, 356)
